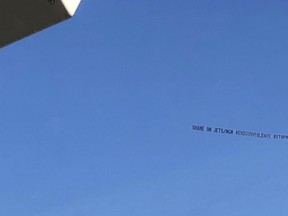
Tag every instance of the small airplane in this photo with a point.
(21, 18)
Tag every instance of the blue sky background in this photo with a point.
(96, 112)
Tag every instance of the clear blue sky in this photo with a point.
(96, 112)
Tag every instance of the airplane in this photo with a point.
(21, 18)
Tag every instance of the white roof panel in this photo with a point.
(21, 18)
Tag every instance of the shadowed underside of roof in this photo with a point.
(21, 18)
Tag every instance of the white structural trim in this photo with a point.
(71, 6)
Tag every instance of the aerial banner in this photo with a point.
(21, 18)
(226, 131)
